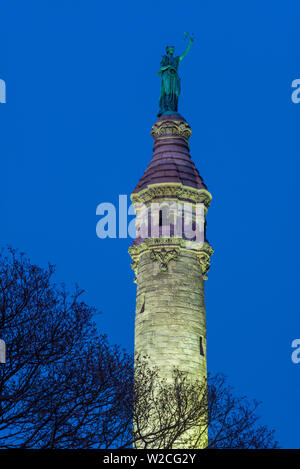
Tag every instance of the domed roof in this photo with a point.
(171, 161)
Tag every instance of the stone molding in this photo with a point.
(173, 191)
(164, 250)
(177, 128)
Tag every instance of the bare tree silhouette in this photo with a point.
(64, 386)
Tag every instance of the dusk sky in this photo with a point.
(82, 95)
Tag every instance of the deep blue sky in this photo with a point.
(82, 93)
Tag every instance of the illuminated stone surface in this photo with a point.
(170, 318)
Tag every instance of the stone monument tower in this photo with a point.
(170, 270)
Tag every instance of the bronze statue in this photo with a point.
(170, 81)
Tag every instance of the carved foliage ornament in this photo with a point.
(164, 255)
(204, 259)
(163, 250)
(171, 128)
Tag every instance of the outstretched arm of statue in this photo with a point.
(191, 39)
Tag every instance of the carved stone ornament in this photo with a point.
(203, 257)
(153, 245)
(163, 250)
(164, 255)
(170, 128)
(175, 190)
(134, 264)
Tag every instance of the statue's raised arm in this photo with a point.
(186, 50)
(190, 38)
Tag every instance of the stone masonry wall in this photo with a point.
(170, 323)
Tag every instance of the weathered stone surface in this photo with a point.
(173, 320)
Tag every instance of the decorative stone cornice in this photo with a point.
(171, 128)
(152, 242)
(162, 247)
(173, 191)
(165, 249)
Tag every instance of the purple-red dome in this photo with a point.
(171, 160)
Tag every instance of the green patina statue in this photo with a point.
(170, 81)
